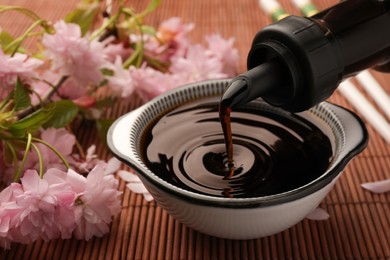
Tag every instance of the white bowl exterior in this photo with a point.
(119, 132)
(237, 223)
(230, 222)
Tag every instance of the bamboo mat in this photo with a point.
(359, 223)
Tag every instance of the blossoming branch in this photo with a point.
(99, 54)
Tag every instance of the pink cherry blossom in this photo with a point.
(69, 89)
(72, 89)
(150, 83)
(42, 204)
(5, 240)
(89, 162)
(97, 201)
(173, 29)
(82, 201)
(225, 52)
(59, 204)
(197, 65)
(172, 40)
(13, 67)
(42, 87)
(9, 214)
(85, 101)
(73, 55)
(121, 83)
(113, 50)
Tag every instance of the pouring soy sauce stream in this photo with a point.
(299, 62)
(240, 92)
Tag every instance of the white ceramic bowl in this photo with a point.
(236, 218)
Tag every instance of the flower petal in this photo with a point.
(378, 186)
(128, 176)
(147, 196)
(112, 166)
(318, 214)
(136, 187)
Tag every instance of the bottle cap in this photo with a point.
(308, 51)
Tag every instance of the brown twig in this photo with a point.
(45, 100)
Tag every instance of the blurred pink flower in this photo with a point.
(225, 52)
(150, 83)
(72, 89)
(197, 65)
(85, 101)
(73, 55)
(18, 66)
(112, 50)
(172, 40)
(174, 30)
(121, 82)
(42, 87)
(69, 89)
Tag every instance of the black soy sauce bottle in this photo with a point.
(298, 62)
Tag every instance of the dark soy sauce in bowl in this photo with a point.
(273, 152)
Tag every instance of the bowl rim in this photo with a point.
(202, 199)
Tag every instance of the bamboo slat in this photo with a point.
(359, 223)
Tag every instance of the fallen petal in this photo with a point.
(112, 166)
(128, 176)
(378, 186)
(318, 214)
(147, 196)
(136, 187)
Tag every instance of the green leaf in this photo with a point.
(151, 7)
(32, 122)
(146, 29)
(64, 111)
(6, 39)
(21, 96)
(135, 58)
(6, 119)
(84, 16)
(57, 114)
